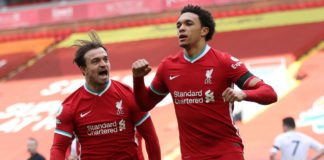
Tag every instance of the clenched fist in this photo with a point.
(140, 68)
(230, 95)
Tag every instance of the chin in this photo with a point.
(102, 81)
(183, 45)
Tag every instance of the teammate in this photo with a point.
(200, 80)
(294, 145)
(102, 114)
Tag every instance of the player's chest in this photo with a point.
(103, 109)
(194, 77)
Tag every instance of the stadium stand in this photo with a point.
(16, 54)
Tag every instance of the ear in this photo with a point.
(204, 31)
(83, 70)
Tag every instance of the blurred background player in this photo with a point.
(200, 80)
(32, 145)
(103, 113)
(294, 145)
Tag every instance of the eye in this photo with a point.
(105, 59)
(95, 61)
(189, 23)
(178, 25)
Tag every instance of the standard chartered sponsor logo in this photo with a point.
(189, 101)
(189, 97)
(188, 94)
(106, 128)
(209, 96)
(193, 97)
(122, 125)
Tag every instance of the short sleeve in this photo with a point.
(276, 145)
(315, 144)
(158, 85)
(64, 121)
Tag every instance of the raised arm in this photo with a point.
(144, 96)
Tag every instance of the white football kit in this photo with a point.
(294, 145)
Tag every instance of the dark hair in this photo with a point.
(84, 46)
(289, 122)
(205, 17)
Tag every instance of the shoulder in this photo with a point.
(280, 137)
(223, 56)
(123, 90)
(73, 99)
(173, 58)
(121, 86)
(75, 95)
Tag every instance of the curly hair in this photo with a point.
(205, 17)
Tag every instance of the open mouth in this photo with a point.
(182, 37)
(103, 73)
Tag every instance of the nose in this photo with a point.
(103, 63)
(181, 28)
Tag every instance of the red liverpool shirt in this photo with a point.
(103, 122)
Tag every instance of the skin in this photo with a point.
(96, 62)
(31, 146)
(191, 37)
(191, 34)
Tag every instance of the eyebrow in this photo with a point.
(184, 21)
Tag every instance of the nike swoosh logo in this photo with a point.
(173, 77)
(84, 114)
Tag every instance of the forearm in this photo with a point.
(318, 155)
(153, 148)
(59, 147)
(273, 156)
(147, 131)
(145, 98)
(261, 93)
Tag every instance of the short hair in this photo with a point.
(33, 139)
(84, 46)
(205, 17)
(289, 122)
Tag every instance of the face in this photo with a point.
(97, 67)
(31, 146)
(190, 30)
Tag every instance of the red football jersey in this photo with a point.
(103, 122)
(205, 121)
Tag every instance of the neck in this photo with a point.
(194, 50)
(289, 129)
(33, 153)
(96, 87)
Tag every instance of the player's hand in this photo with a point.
(140, 68)
(230, 95)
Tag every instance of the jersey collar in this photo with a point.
(100, 92)
(197, 57)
